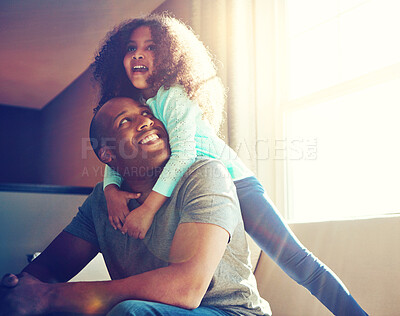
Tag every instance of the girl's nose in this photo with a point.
(137, 55)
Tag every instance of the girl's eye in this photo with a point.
(151, 47)
(131, 49)
(122, 122)
(146, 113)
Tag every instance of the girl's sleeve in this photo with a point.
(178, 114)
(111, 177)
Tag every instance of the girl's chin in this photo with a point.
(140, 85)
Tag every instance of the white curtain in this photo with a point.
(241, 34)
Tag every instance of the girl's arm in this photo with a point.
(111, 177)
(117, 200)
(178, 114)
(138, 222)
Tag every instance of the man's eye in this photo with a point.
(122, 122)
(147, 113)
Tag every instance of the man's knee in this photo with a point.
(131, 308)
(123, 308)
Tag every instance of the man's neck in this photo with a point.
(140, 185)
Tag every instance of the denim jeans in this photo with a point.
(144, 308)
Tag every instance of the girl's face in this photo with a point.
(139, 59)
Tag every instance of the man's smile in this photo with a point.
(149, 139)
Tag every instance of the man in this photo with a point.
(194, 259)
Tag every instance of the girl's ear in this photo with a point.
(105, 154)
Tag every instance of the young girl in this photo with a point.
(159, 61)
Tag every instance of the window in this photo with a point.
(341, 94)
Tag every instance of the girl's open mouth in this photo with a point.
(140, 68)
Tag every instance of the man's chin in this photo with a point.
(159, 158)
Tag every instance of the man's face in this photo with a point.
(139, 141)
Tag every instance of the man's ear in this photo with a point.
(105, 154)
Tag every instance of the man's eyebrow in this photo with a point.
(117, 116)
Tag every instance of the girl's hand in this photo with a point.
(138, 222)
(117, 204)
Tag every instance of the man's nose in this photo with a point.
(145, 122)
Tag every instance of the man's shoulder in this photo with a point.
(97, 193)
(207, 194)
(98, 188)
(206, 173)
(207, 167)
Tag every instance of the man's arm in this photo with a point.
(196, 251)
(62, 259)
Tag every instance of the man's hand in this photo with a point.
(22, 295)
(138, 222)
(117, 204)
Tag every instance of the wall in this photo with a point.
(363, 253)
(51, 146)
(67, 156)
(20, 145)
(29, 222)
(30, 232)
(181, 9)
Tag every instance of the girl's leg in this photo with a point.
(265, 225)
(268, 229)
(144, 308)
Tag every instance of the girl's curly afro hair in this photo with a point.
(180, 58)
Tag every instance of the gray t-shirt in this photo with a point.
(205, 194)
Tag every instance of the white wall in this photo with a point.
(30, 221)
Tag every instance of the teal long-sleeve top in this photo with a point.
(189, 136)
